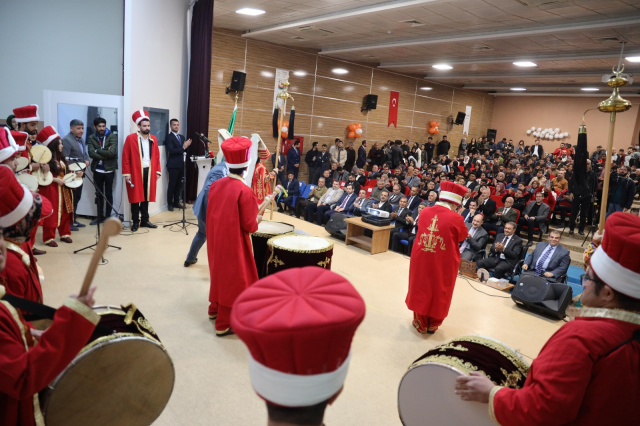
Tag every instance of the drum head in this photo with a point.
(72, 181)
(77, 167)
(23, 162)
(274, 228)
(125, 381)
(301, 243)
(40, 154)
(29, 181)
(44, 179)
(426, 397)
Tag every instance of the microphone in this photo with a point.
(201, 136)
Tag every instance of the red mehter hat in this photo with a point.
(237, 152)
(26, 114)
(140, 115)
(21, 139)
(15, 200)
(298, 325)
(616, 260)
(452, 192)
(47, 135)
(263, 151)
(8, 146)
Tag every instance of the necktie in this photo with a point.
(338, 155)
(543, 258)
(465, 243)
(505, 242)
(178, 137)
(344, 203)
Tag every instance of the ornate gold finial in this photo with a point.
(283, 93)
(615, 103)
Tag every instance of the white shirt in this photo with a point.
(506, 241)
(465, 243)
(146, 159)
(551, 250)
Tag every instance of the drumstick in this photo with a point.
(268, 198)
(111, 227)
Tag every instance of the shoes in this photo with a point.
(179, 206)
(134, 227)
(581, 233)
(148, 225)
(226, 332)
(78, 224)
(52, 244)
(170, 207)
(66, 240)
(570, 232)
(280, 210)
(74, 228)
(188, 263)
(37, 252)
(431, 332)
(94, 221)
(213, 316)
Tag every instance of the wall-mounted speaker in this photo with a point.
(534, 293)
(460, 118)
(492, 134)
(237, 82)
(369, 102)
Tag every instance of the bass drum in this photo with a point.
(426, 393)
(297, 251)
(266, 230)
(123, 376)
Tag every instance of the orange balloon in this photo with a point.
(352, 127)
(351, 135)
(437, 124)
(358, 126)
(432, 130)
(436, 131)
(432, 124)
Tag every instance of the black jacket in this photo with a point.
(312, 158)
(513, 250)
(174, 149)
(443, 147)
(396, 156)
(487, 209)
(325, 161)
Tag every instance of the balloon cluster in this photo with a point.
(284, 126)
(548, 133)
(433, 127)
(355, 130)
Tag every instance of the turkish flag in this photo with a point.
(393, 108)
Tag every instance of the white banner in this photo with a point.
(281, 75)
(467, 120)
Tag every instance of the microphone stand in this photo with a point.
(183, 223)
(104, 198)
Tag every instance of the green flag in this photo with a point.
(232, 122)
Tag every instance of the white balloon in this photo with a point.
(285, 129)
(528, 132)
(539, 129)
(557, 129)
(359, 131)
(566, 134)
(533, 128)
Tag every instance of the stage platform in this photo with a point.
(212, 379)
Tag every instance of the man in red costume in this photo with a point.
(232, 214)
(588, 373)
(141, 170)
(435, 259)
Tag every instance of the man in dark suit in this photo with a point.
(175, 145)
(362, 155)
(384, 203)
(396, 154)
(396, 194)
(476, 240)
(311, 158)
(468, 214)
(414, 200)
(504, 214)
(323, 162)
(400, 217)
(549, 260)
(409, 232)
(360, 204)
(292, 186)
(293, 159)
(535, 214)
(505, 252)
(75, 150)
(486, 205)
(282, 163)
(444, 146)
(345, 203)
(429, 147)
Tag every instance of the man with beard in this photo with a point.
(141, 170)
(27, 119)
(103, 150)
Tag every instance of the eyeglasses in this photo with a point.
(585, 277)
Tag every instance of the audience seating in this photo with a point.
(302, 186)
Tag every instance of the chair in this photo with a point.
(498, 200)
(369, 191)
(343, 183)
(494, 233)
(536, 229)
(517, 269)
(302, 186)
(407, 191)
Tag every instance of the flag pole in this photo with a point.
(284, 95)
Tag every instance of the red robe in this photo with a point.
(260, 183)
(20, 274)
(572, 382)
(435, 259)
(61, 198)
(132, 167)
(232, 210)
(26, 369)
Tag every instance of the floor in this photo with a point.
(212, 381)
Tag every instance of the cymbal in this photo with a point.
(71, 180)
(44, 179)
(41, 154)
(29, 181)
(23, 163)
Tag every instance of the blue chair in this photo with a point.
(303, 188)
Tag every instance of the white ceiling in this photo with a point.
(574, 43)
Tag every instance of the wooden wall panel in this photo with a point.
(326, 103)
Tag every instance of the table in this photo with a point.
(379, 243)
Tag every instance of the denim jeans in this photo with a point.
(613, 208)
(198, 241)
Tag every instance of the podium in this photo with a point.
(204, 165)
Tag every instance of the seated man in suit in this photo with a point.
(314, 196)
(384, 203)
(400, 217)
(394, 197)
(505, 252)
(468, 214)
(486, 205)
(534, 215)
(414, 200)
(292, 186)
(331, 197)
(504, 214)
(375, 194)
(328, 180)
(352, 181)
(360, 204)
(359, 176)
(409, 233)
(432, 198)
(466, 200)
(345, 203)
(550, 260)
(476, 240)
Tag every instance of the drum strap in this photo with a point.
(634, 338)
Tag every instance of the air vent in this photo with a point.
(608, 40)
(298, 38)
(368, 56)
(313, 28)
(536, 3)
(480, 48)
(412, 22)
(312, 32)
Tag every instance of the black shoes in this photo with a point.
(581, 232)
(570, 232)
(78, 224)
(179, 206)
(148, 225)
(170, 208)
(188, 263)
(74, 228)
(134, 227)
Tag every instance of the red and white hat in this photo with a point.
(452, 192)
(26, 114)
(20, 139)
(263, 151)
(47, 135)
(298, 325)
(140, 115)
(616, 260)
(237, 152)
(15, 199)
(8, 146)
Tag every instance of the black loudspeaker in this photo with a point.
(492, 134)
(460, 118)
(534, 293)
(237, 81)
(369, 102)
(336, 226)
